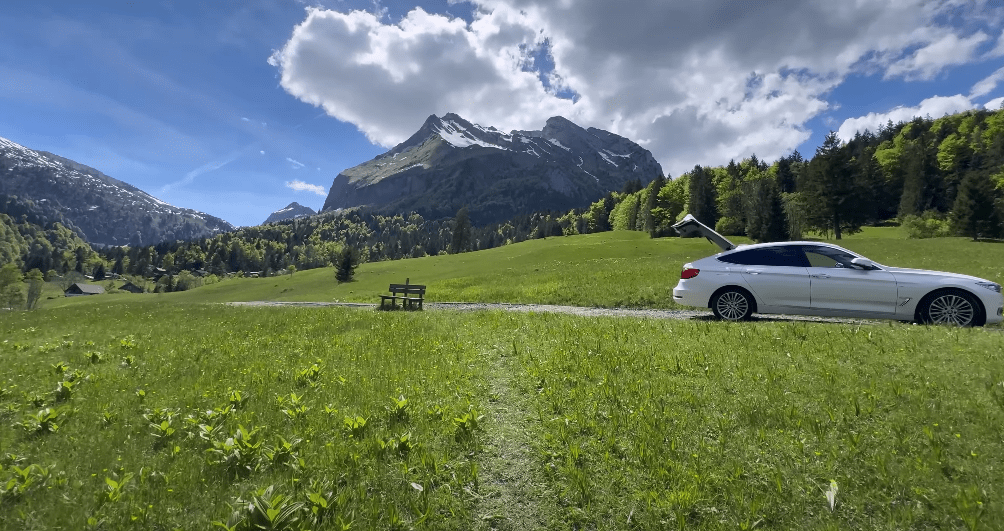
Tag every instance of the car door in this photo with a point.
(837, 285)
(776, 274)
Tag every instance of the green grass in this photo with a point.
(612, 269)
(124, 411)
(182, 364)
(630, 424)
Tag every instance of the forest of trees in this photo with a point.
(937, 177)
(941, 177)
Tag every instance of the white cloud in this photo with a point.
(948, 50)
(262, 152)
(295, 163)
(695, 82)
(988, 84)
(994, 104)
(301, 186)
(999, 48)
(935, 107)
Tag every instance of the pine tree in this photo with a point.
(923, 188)
(654, 188)
(461, 240)
(702, 197)
(346, 263)
(836, 197)
(974, 214)
(765, 217)
(786, 176)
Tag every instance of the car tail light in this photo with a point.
(689, 272)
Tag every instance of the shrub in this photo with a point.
(186, 281)
(930, 224)
(728, 226)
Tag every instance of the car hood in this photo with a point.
(689, 227)
(906, 273)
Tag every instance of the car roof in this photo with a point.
(779, 244)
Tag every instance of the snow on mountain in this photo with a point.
(450, 161)
(292, 211)
(109, 211)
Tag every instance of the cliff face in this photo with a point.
(450, 163)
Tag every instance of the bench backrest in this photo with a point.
(407, 288)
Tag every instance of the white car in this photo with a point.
(813, 278)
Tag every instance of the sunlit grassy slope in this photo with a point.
(612, 269)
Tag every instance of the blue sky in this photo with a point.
(237, 108)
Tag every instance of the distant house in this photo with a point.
(159, 272)
(131, 288)
(83, 289)
(254, 274)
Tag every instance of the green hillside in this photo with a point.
(609, 269)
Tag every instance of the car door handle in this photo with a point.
(752, 272)
(821, 275)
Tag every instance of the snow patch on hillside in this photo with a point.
(555, 142)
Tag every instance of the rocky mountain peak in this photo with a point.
(450, 162)
(291, 211)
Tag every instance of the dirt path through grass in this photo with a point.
(511, 491)
(554, 308)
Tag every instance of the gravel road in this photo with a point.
(552, 308)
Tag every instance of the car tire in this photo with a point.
(951, 307)
(732, 304)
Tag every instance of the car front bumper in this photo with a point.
(994, 305)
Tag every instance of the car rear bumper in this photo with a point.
(690, 297)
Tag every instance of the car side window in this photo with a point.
(740, 258)
(828, 257)
(820, 260)
(787, 256)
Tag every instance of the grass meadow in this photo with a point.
(169, 411)
(611, 269)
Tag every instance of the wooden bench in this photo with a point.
(407, 293)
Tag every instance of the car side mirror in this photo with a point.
(864, 263)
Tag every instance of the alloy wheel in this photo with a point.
(732, 306)
(952, 309)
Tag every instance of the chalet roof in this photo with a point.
(90, 289)
(129, 286)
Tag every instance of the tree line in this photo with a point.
(937, 177)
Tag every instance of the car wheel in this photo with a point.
(732, 304)
(951, 307)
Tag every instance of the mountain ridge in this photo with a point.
(450, 162)
(291, 211)
(106, 210)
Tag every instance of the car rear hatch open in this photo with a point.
(689, 227)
